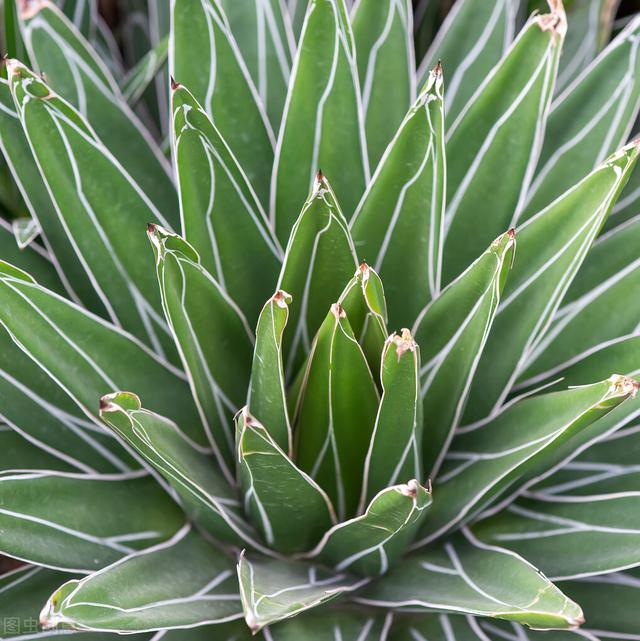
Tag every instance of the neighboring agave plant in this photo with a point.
(214, 420)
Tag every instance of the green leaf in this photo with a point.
(265, 38)
(297, 9)
(336, 413)
(346, 625)
(138, 79)
(494, 458)
(112, 516)
(220, 212)
(273, 590)
(320, 258)
(452, 331)
(17, 453)
(25, 231)
(206, 496)
(205, 58)
(288, 508)
(551, 248)
(504, 119)
(187, 582)
(589, 120)
(213, 338)
(83, 14)
(322, 126)
(466, 576)
(372, 543)
(383, 35)
(76, 72)
(395, 451)
(470, 43)
(398, 224)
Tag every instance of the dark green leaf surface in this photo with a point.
(138, 79)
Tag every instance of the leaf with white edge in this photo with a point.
(397, 226)
(219, 209)
(83, 14)
(187, 582)
(505, 118)
(205, 57)
(138, 79)
(16, 453)
(322, 126)
(320, 258)
(103, 211)
(75, 72)
(288, 508)
(336, 412)
(371, 544)
(452, 331)
(204, 493)
(465, 576)
(551, 248)
(118, 514)
(492, 459)
(383, 35)
(214, 340)
(274, 590)
(589, 120)
(297, 10)
(25, 230)
(470, 43)
(395, 451)
(262, 29)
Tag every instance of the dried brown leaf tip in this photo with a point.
(624, 385)
(151, 229)
(338, 311)
(437, 70)
(174, 85)
(404, 342)
(282, 299)
(555, 22)
(29, 8)
(410, 489)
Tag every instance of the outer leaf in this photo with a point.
(206, 59)
(140, 77)
(372, 543)
(16, 453)
(383, 35)
(76, 72)
(275, 590)
(212, 336)
(336, 413)
(201, 590)
(489, 461)
(452, 331)
(505, 118)
(287, 506)
(551, 248)
(320, 258)
(395, 451)
(465, 576)
(322, 126)
(110, 521)
(219, 209)
(345, 624)
(398, 223)
(589, 120)
(470, 43)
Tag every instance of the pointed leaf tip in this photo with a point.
(624, 386)
(29, 8)
(404, 342)
(338, 311)
(556, 21)
(282, 299)
(174, 85)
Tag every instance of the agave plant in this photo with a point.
(215, 422)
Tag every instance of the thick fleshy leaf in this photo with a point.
(383, 35)
(373, 543)
(470, 43)
(336, 412)
(16, 453)
(25, 230)
(505, 118)
(187, 582)
(452, 332)
(213, 338)
(138, 79)
(490, 460)
(395, 452)
(551, 247)
(274, 590)
(111, 516)
(205, 58)
(288, 508)
(589, 120)
(103, 211)
(262, 29)
(322, 126)
(59, 337)
(319, 260)
(220, 211)
(397, 226)
(76, 72)
(466, 576)
(203, 491)
(345, 625)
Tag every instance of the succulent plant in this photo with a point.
(305, 340)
